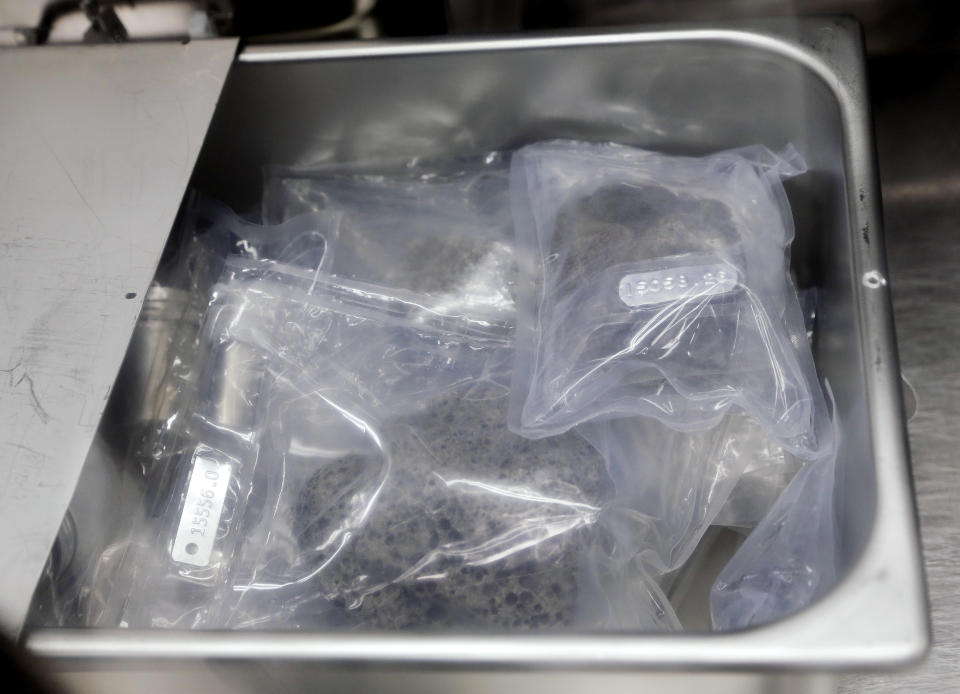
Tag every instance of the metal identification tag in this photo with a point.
(670, 284)
(197, 531)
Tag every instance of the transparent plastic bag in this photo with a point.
(670, 487)
(393, 347)
(439, 519)
(212, 236)
(434, 514)
(342, 452)
(658, 286)
(303, 241)
(198, 487)
(770, 467)
(197, 418)
(790, 558)
(768, 471)
(440, 231)
(378, 485)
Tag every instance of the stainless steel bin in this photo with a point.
(678, 89)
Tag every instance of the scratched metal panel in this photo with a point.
(96, 147)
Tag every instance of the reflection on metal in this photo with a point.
(680, 90)
(98, 143)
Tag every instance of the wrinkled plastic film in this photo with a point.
(601, 517)
(391, 415)
(445, 232)
(670, 488)
(361, 505)
(204, 419)
(360, 514)
(790, 558)
(657, 286)
(767, 472)
(305, 241)
(199, 489)
(419, 527)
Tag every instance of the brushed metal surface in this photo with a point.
(213, 678)
(678, 90)
(919, 152)
(96, 147)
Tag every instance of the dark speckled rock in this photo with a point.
(624, 223)
(623, 228)
(474, 527)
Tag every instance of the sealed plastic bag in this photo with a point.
(492, 515)
(340, 455)
(657, 286)
(197, 488)
(376, 486)
(441, 231)
(440, 519)
(197, 420)
(372, 482)
(768, 471)
(669, 487)
(790, 558)
(303, 241)
(397, 497)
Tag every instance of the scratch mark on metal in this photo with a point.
(37, 407)
(11, 369)
(34, 451)
(73, 183)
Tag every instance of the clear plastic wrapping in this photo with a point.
(420, 526)
(378, 486)
(767, 472)
(372, 482)
(670, 487)
(790, 558)
(657, 286)
(392, 414)
(441, 232)
(304, 241)
(196, 415)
